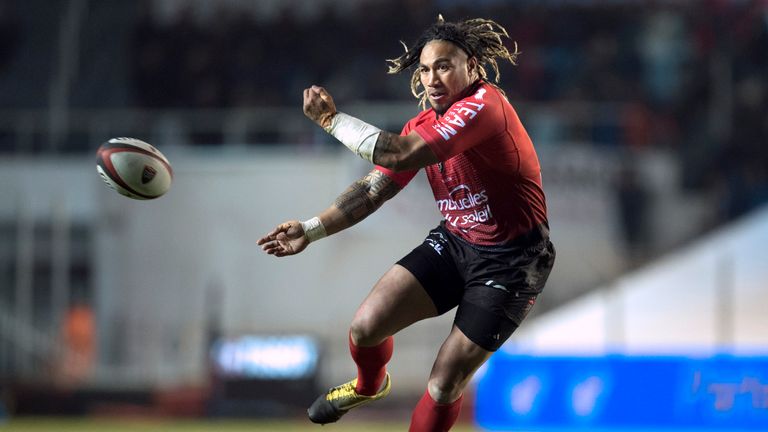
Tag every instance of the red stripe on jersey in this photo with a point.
(402, 178)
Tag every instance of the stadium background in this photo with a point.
(651, 123)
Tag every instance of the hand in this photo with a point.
(287, 239)
(319, 106)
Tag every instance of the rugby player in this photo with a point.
(489, 257)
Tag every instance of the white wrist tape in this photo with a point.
(357, 135)
(313, 229)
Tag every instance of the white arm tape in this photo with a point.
(313, 229)
(357, 135)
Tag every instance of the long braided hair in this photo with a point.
(478, 37)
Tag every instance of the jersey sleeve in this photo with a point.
(468, 122)
(401, 178)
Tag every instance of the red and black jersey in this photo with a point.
(488, 183)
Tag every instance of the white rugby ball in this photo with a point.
(134, 168)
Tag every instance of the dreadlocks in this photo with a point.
(479, 38)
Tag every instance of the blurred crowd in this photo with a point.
(689, 78)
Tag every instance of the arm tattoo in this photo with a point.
(380, 187)
(365, 196)
(385, 148)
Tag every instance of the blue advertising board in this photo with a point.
(623, 392)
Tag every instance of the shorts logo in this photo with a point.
(491, 283)
(437, 244)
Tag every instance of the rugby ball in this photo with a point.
(134, 168)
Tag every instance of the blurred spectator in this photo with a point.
(665, 49)
(10, 33)
(634, 199)
(79, 339)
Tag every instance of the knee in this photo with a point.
(364, 331)
(444, 391)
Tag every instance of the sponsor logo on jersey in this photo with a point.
(462, 198)
(465, 209)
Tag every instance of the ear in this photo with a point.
(472, 65)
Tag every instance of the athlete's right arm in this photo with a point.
(361, 199)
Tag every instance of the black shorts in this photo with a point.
(494, 288)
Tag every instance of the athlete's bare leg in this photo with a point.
(395, 302)
(456, 362)
(439, 407)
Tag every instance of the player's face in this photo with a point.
(445, 73)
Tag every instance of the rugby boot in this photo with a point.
(330, 406)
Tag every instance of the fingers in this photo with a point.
(272, 235)
(276, 242)
(311, 101)
(307, 100)
(316, 90)
(276, 246)
(311, 92)
(323, 93)
(266, 238)
(273, 248)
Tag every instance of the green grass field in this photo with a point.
(127, 425)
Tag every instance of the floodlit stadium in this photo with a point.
(650, 122)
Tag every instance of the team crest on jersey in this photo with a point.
(441, 167)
